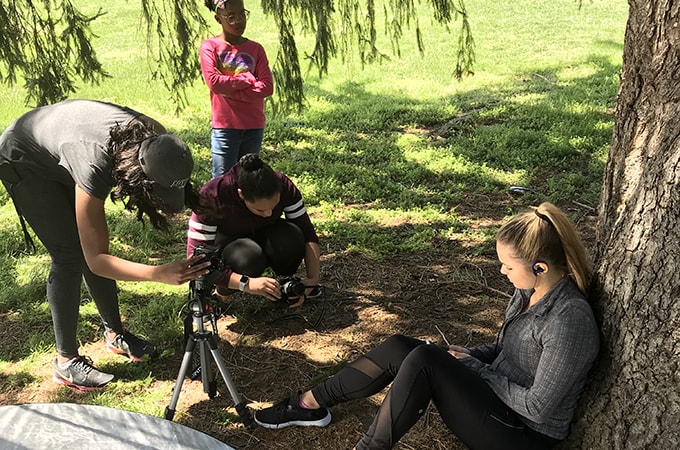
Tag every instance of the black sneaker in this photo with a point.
(130, 345)
(288, 412)
(79, 373)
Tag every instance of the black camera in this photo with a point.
(213, 254)
(290, 286)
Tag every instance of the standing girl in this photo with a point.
(237, 73)
(59, 163)
(519, 392)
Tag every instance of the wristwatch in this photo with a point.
(242, 283)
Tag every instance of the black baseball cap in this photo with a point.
(167, 161)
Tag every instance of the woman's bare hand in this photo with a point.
(458, 351)
(179, 272)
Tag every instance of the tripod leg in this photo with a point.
(183, 370)
(207, 375)
(239, 403)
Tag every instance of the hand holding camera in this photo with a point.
(275, 289)
(292, 290)
(264, 286)
(282, 288)
(211, 254)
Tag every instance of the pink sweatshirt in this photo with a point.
(239, 79)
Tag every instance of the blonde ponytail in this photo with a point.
(547, 234)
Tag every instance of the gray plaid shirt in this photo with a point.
(540, 363)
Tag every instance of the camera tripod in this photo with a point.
(200, 312)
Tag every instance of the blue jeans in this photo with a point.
(229, 144)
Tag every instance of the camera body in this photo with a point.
(290, 286)
(214, 255)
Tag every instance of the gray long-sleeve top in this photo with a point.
(540, 363)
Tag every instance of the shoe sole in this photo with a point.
(65, 382)
(316, 294)
(132, 357)
(300, 423)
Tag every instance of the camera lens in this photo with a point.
(290, 286)
(293, 288)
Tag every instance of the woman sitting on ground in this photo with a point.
(519, 392)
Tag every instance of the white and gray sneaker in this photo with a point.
(78, 372)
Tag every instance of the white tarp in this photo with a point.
(40, 426)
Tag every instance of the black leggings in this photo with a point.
(421, 372)
(49, 207)
(280, 246)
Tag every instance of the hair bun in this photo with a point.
(251, 162)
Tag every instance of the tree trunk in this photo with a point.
(633, 401)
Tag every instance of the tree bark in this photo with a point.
(633, 400)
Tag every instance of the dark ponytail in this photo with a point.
(130, 182)
(131, 185)
(256, 179)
